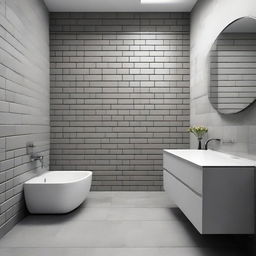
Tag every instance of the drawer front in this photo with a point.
(188, 173)
(189, 202)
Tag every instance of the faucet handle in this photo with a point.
(30, 145)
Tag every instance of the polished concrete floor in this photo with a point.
(118, 224)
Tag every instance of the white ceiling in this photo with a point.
(117, 6)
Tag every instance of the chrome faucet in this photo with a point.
(33, 156)
(206, 143)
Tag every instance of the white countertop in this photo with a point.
(208, 158)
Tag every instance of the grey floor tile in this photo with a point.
(188, 251)
(143, 214)
(141, 199)
(98, 234)
(98, 199)
(121, 213)
(48, 233)
(105, 214)
(117, 223)
(128, 199)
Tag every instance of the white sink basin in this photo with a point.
(208, 158)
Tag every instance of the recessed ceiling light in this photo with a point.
(156, 1)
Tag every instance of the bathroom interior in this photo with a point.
(127, 127)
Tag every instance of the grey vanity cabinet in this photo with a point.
(216, 199)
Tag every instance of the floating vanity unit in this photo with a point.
(214, 190)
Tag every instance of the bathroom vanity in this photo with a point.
(214, 190)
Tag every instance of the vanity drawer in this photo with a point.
(188, 173)
(189, 202)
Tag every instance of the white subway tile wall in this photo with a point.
(24, 101)
(119, 95)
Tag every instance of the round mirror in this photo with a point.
(233, 67)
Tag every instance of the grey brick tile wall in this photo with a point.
(24, 100)
(119, 95)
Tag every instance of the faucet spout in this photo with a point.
(35, 157)
(206, 144)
